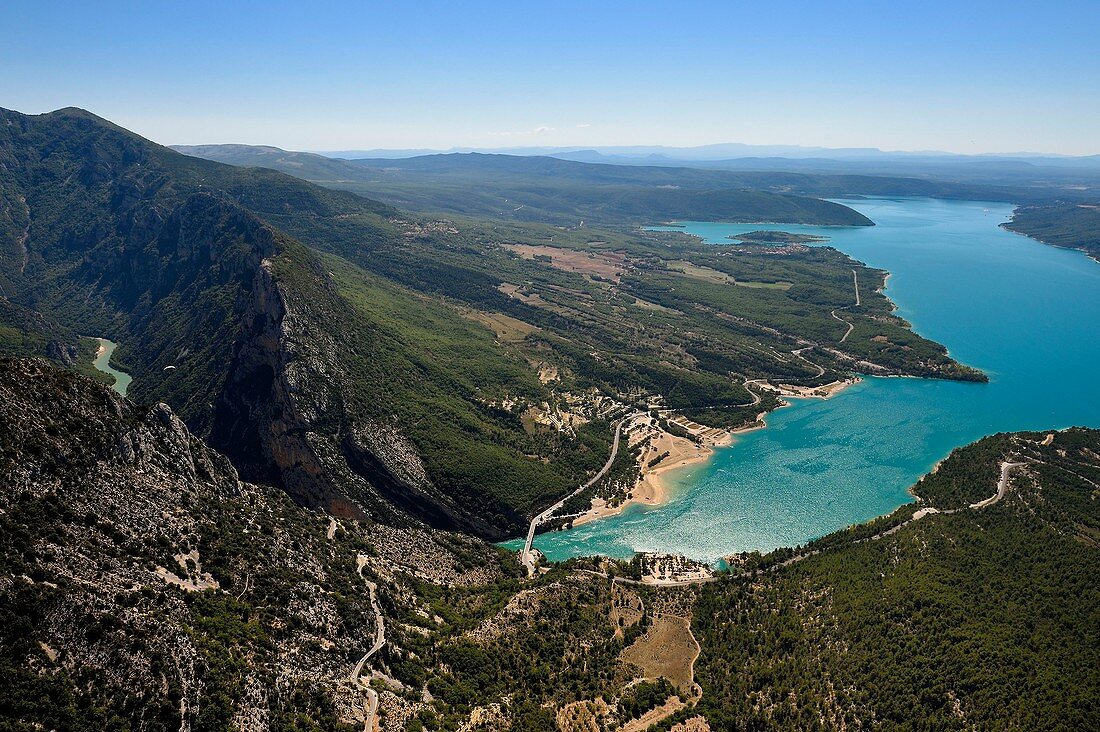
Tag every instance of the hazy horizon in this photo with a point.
(644, 149)
(959, 77)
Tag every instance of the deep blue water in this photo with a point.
(1025, 313)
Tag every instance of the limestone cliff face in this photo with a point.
(257, 418)
(218, 313)
(282, 416)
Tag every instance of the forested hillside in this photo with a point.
(461, 372)
(146, 587)
(1068, 225)
(549, 190)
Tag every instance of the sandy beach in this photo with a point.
(652, 488)
(814, 392)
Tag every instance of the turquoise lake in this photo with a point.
(1025, 313)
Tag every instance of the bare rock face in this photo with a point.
(391, 464)
(64, 353)
(282, 415)
(393, 450)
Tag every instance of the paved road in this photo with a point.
(379, 642)
(851, 327)
(527, 558)
(847, 323)
(819, 367)
(756, 398)
(1006, 468)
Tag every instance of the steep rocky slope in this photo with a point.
(143, 585)
(220, 314)
(460, 374)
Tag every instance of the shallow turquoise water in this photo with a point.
(103, 363)
(1025, 313)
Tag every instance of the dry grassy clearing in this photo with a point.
(608, 265)
(647, 305)
(706, 274)
(506, 328)
(668, 649)
(699, 272)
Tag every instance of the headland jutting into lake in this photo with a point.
(1021, 311)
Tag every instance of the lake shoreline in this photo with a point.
(653, 490)
(827, 464)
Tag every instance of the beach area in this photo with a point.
(668, 453)
(652, 487)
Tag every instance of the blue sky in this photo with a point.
(958, 76)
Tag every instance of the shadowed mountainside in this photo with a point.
(462, 373)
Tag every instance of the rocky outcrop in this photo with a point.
(217, 312)
(142, 580)
(282, 415)
(391, 464)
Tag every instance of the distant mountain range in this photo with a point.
(431, 181)
(725, 152)
(1022, 169)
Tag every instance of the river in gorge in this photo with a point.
(1025, 313)
(102, 362)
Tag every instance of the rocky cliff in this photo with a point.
(143, 584)
(219, 313)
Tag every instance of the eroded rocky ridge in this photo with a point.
(143, 581)
(219, 313)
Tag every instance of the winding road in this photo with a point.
(819, 367)
(756, 398)
(848, 323)
(379, 642)
(1006, 468)
(526, 557)
(851, 326)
